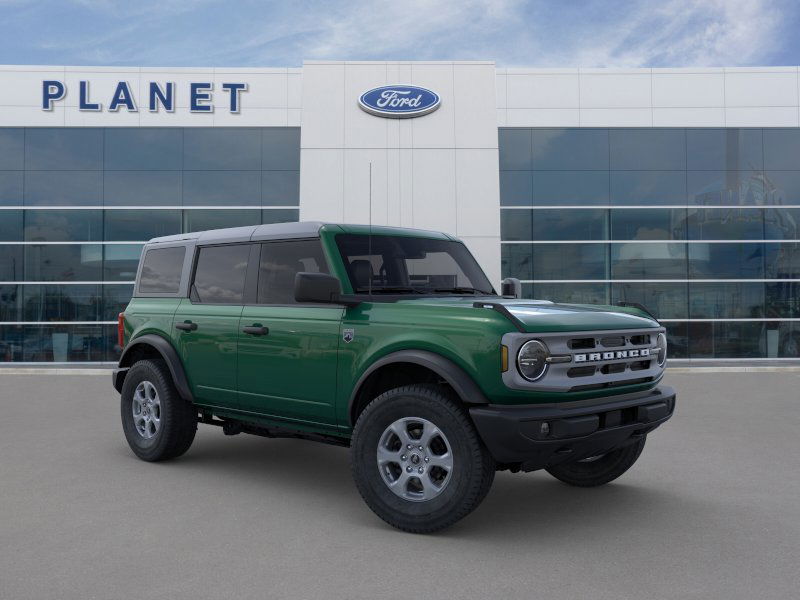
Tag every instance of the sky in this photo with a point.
(538, 33)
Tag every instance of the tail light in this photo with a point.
(121, 330)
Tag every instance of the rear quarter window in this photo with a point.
(161, 270)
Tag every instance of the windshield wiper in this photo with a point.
(462, 290)
(390, 289)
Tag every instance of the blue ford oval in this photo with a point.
(399, 101)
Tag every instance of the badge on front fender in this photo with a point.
(348, 335)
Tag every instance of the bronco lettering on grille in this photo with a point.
(616, 355)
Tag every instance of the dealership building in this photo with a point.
(678, 189)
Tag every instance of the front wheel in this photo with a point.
(601, 469)
(417, 460)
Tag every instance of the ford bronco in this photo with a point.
(392, 342)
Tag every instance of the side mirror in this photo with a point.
(511, 286)
(319, 288)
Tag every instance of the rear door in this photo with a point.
(288, 351)
(207, 323)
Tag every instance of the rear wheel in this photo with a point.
(601, 469)
(417, 460)
(157, 422)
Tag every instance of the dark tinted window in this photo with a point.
(648, 187)
(65, 188)
(64, 262)
(723, 149)
(140, 225)
(219, 276)
(201, 220)
(10, 226)
(280, 215)
(222, 188)
(63, 225)
(280, 262)
(643, 149)
(648, 261)
(515, 149)
(280, 188)
(62, 302)
(142, 188)
(10, 303)
(12, 154)
(569, 188)
(120, 261)
(569, 261)
(222, 148)
(571, 293)
(63, 148)
(554, 225)
(280, 147)
(570, 149)
(161, 270)
(143, 148)
(664, 300)
(648, 224)
(11, 187)
(516, 188)
(782, 148)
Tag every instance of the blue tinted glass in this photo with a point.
(63, 225)
(726, 261)
(64, 188)
(11, 264)
(280, 188)
(516, 188)
(724, 149)
(220, 188)
(11, 188)
(726, 224)
(648, 149)
(517, 261)
(11, 341)
(664, 300)
(12, 145)
(222, 148)
(516, 225)
(783, 299)
(782, 261)
(10, 226)
(514, 149)
(727, 340)
(63, 343)
(677, 340)
(121, 261)
(143, 188)
(63, 149)
(571, 293)
(112, 350)
(280, 215)
(10, 306)
(726, 300)
(648, 260)
(140, 225)
(570, 149)
(577, 224)
(115, 299)
(729, 188)
(570, 187)
(62, 302)
(648, 187)
(570, 261)
(57, 262)
(782, 148)
(783, 187)
(648, 224)
(143, 148)
(280, 149)
(783, 340)
(201, 220)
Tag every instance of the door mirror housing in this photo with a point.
(511, 286)
(318, 288)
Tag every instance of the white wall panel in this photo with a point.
(542, 117)
(689, 117)
(543, 90)
(322, 196)
(362, 130)
(775, 88)
(615, 90)
(437, 129)
(474, 103)
(692, 90)
(434, 190)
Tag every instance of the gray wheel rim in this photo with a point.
(146, 408)
(415, 459)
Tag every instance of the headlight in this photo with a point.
(661, 348)
(531, 360)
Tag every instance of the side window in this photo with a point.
(280, 262)
(161, 270)
(219, 275)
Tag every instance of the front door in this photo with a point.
(288, 351)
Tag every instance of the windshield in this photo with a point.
(409, 265)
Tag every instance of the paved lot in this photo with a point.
(711, 510)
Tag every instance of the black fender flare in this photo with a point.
(455, 376)
(167, 352)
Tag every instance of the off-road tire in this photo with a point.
(178, 417)
(600, 471)
(473, 466)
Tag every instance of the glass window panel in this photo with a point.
(782, 148)
(10, 226)
(143, 148)
(280, 215)
(201, 220)
(222, 148)
(677, 340)
(648, 224)
(10, 305)
(516, 225)
(11, 340)
(112, 350)
(161, 270)
(563, 188)
(12, 148)
(115, 300)
(579, 224)
(726, 300)
(62, 302)
(63, 225)
(517, 261)
(648, 149)
(648, 187)
(724, 149)
(570, 261)
(782, 299)
(280, 148)
(725, 224)
(11, 193)
(570, 149)
(280, 188)
(11, 263)
(142, 188)
(572, 293)
(516, 188)
(726, 261)
(65, 188)
(63, 148)
(219, 275)
(730, 188)
(280, 262)
(664, 300)
(782, 261)
(64, 262)
(648, 261)
(783, 187)
(727, 340)
(140, 225)
(219, 188)
(63, 343)
(514, 149)
(120, 262)
(783, 340)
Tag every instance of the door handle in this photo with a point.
(186, 326)
(256, 330)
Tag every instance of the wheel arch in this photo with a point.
(153, 346)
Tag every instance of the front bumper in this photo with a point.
(536, 436)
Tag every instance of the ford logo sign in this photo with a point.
(399, 101)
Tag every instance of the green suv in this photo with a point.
(394, 343)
